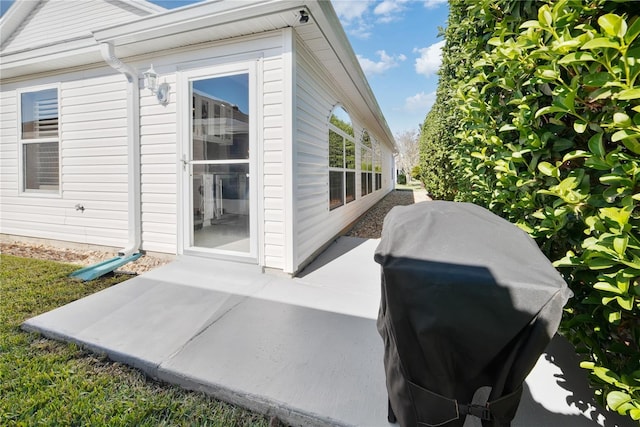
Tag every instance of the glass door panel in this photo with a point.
(219, 163)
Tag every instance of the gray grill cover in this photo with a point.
(468, 300)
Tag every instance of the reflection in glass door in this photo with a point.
(219, 163)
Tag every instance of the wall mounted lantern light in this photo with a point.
(151, 82)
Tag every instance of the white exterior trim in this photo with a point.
(288, 56)
(22, 191)
(185, 202)
(133, 148)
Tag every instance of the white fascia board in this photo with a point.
(145, 5)
(325, 17)
(62, 55)
(190, 18)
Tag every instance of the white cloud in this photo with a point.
(432, 4)
(348, 10)
(420, 102)
(430, 59)
(386, 62)
(388, 10)
(361, 30)
(352, 15)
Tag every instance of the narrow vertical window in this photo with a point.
(342, 159)
(39, 140)
(377, 166)
(336, 165)
(366, 161)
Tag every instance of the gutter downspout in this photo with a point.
(133, 147)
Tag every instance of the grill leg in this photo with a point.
(391, 417)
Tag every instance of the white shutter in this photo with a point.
(46, 117)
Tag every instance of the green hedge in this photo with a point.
(548, 136)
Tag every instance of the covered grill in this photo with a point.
(468, 301)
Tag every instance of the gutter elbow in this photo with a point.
(108, 54)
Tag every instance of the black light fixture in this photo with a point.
(304, 17)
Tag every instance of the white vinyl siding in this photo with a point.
(158, 144)
(273, 165)
(58, 20)
(315, 99)
(93, 167)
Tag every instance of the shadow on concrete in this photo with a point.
(337, 249)
(573, 382)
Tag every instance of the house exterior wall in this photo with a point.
(158, 168)
(93, 153)
(295, 98)
(93, 163)
(162, 144)
(70, 19)
(315, 99)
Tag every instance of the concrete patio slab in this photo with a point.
(303, 349)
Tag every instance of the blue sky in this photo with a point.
(398, 47)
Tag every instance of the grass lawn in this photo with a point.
(43, 382)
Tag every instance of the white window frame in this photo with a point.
(22, 190)
(344, 169)
(362, 147)
(188, 73)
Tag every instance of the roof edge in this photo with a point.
(145, 5)
(338, 39)
(14, 16)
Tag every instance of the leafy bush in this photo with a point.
(549, 138)
(402, 179)
(437, 142)
(416, 172)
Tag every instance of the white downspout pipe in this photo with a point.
(133, 147)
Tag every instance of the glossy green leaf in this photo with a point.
(632, 31)
(615, 399)
(579, 126)
(598, 164)
(597, 79)
(578, 154)
(507, 127)
(621, 119)
(600, 43)
(625, 302)
(576, 57)
(596, 146)
(614, 317)
(549, 109)
(544, 16)
(620, 244)
(548, 74)
(628, 94)
(530, 24)
(613, 25)
(619, 215)
(546, 168)
(624, 134)
(632, 144)
(607, 287)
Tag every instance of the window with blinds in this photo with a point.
(40, 140)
